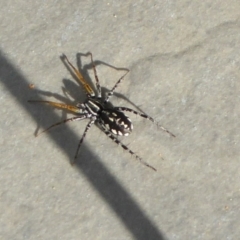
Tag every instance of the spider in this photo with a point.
(97, 108)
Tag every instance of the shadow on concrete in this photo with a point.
(134, 219)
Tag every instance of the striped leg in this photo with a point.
(83, 136)
(99, 90)
(115, 86)
(64, 121)
(144, 116)
(126, 148)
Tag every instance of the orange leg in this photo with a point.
(58, 105)
(81, 79)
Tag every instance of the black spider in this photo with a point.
(110, 119)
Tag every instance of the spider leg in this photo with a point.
(115, 86)
(127, 149)
(144, 116)
(58, 105)
(64, 121)
(96, 77)
(81, 79)
(83, 136)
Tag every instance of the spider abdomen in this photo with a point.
(116, 122)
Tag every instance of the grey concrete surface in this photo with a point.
(184, 61)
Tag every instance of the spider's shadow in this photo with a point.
(85, 72)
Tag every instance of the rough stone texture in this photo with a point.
(184, 58)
